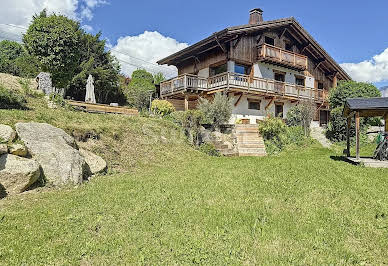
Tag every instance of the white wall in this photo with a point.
(241, 110)
(264, 70)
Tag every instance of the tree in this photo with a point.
(102, 66)
(347, 89)
(301, 115)
(218, 111)
(140, 89)
(55, 41)
(9, 52)
(158, 78)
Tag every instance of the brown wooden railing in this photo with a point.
(283, 56)
(237, 81)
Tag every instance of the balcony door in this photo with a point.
(279, 81)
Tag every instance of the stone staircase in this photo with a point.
(249, 141)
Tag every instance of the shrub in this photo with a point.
(277, 136)
(294, 116)
(272, 127)
(209, 149)
(11, 99)
(218, 111)
(162, 107)
(191, 122)
(57, 99)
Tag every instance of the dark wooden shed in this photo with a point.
(364, 107)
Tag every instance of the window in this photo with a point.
(279, 77)
(289, 47)
(269, 40)
(300, 81)
(218, 69)
(253, 104)
(320, 85)
(242, 69)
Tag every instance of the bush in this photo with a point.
(209, 149)
(191, 122)
(162, 107)
(272, 127)
(57, 99)
(218, 111)
(277, 136)
(11, 99)
(294, 116)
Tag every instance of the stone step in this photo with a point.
(251, 150)
(251, 146)
(252, 154)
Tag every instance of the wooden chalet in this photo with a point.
(266, 66)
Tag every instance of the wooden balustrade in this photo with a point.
(282, 56)
(238, 81)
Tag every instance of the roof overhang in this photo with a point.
(366, 107)
(233, 32)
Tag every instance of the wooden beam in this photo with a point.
(320, 61)
(349, 121)
(219, 44)
(282, 34)
(236, 42)
(386, 122)
(186, 103)
(270, 102)
(357, 135)
(335, 80)
(238, 100)
(304, 48)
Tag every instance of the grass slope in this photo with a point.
(168, 204)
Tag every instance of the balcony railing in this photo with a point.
(278, 55)
(243, 82)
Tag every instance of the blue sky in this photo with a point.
(353, 32)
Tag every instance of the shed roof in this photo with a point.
(377, 106)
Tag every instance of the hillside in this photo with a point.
(163, 202)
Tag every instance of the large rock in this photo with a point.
(17, 174)
(18, 150)
(3, 149)
(7, 134)
(55, 151)
(96, 164)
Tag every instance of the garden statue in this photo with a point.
(90, 96)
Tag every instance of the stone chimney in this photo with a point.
(255, 16)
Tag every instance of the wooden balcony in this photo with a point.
(279, 56)
(238, 82)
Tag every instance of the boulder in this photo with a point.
(3, 149)
(7, 134)
(18, 150)
(96, 164)
(55, 151)
(17, 174)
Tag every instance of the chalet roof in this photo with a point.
(232, 32)
(377, 106)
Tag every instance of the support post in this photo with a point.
(186, 103)
(335, 80)
(357, 135)
(348, 136)
(386, 123)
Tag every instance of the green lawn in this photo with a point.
(166, 203)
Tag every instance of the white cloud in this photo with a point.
(146, 47)
(20, 12)
(87, 28)
(373, 70)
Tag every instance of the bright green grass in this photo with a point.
(166, 203)
(298, 208)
